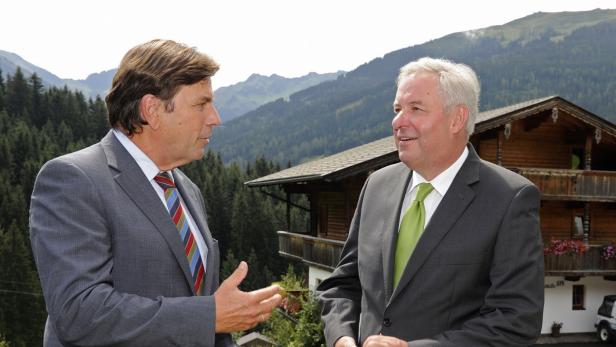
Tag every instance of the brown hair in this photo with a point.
(158, 67)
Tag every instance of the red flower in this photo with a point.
(559, 247)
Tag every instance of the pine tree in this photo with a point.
(37, 112)
(33, 129)
(17, 95)
(20, 293)
(97, 115)
(1, 91)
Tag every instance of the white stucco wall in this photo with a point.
(315, 275)
(558, 302)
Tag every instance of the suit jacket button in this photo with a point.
(387, 322)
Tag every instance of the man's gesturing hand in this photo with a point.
(237, 310)
(384, 341)
(345, 341)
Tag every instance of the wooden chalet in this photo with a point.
(568, 152)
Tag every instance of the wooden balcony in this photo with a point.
(588, 263)
(325, 253)
(311, 250)
(558, 184)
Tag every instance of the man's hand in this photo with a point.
(237, 310)
(345, 341)
(384, 341)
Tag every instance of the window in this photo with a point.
(606, 308)
(577, 158)
(578, 297)
(577, 226)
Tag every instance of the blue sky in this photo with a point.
(73, 38)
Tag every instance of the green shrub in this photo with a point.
(303, 328)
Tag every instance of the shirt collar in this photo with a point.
(442, 182)
(149, 168)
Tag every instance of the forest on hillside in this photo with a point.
(38, 124)
(356, 108)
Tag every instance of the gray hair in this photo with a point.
(458, 84)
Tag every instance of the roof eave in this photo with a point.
(285, 180)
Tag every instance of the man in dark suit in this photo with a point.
(444, 248)
(120, 235)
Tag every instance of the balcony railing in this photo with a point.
(588, 263)
(311, 250)
(325, 253)
(572, 184)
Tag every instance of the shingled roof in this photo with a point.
(333, 166)
(383, 152)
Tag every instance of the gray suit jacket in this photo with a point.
(110, 260)
(474, 279)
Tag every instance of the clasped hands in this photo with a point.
(372, 341)
(237, 310)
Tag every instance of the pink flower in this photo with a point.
(559, 247)
(609, 252)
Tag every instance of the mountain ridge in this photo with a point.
(9, 62)
(356, 107)
(232, 101)
(237, 99)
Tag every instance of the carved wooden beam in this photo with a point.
(507, 130)
(554, 114)
(588, 152)
(586, 221)
(499, 148)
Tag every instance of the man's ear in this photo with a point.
(149, 107)
(459, 118)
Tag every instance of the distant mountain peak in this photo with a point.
(240, 98)
(535, 26)
(95, 84)
(254, 76)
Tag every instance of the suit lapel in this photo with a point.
(132, 180)
(453, 204)
(197, 213)
(390, 224)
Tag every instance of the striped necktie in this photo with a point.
(411, 228)
(179, 218)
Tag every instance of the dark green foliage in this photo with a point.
(35, 126)
(515, 62)
(296, 329)
(17, 95)
(2, 92)
(20, 300)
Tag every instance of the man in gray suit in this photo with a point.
(444, 248)
(119, 234)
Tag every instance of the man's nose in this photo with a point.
(216, 116)
(399, 121)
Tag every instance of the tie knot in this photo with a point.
(423, 189)
(164, 180)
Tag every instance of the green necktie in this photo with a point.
(410, 230)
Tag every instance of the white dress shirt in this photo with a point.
(150, 170)
(441, 184)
